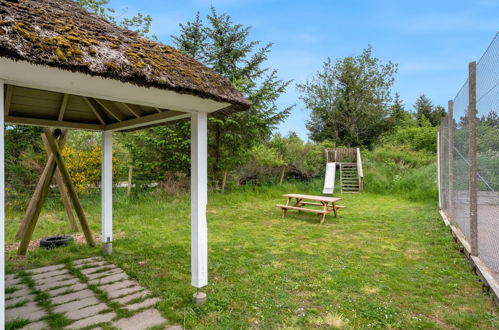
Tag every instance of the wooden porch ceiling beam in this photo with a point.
(131, 109)
(52, 123)
(109, 111)
(8, 99)
(63, 106)
(94, 110)
(147, 120)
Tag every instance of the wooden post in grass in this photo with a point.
(69, 184)
(28, 224)
(450, 160)
(129, 188)
(472, 158)
(62, 190)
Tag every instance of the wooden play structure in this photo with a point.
(349, 163)
(54, 140)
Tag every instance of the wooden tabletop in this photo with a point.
(314, 198)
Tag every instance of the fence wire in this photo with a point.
(455, 163)
(487, 128)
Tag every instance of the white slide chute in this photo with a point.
(329, 178)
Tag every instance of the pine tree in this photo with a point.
(224, 46)
(423, 108)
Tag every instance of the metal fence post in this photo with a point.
(472, 158)
(450, 159)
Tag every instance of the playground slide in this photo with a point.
(329, 178)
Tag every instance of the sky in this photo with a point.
(431, 41)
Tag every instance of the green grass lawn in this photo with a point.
(385, 263)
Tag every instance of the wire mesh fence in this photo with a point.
(469, 160)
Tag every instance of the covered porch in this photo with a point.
(104, 88)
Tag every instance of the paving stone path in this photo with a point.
(89, 294)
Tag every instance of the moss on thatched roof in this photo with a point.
(59, 33)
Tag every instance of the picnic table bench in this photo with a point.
(328, 204)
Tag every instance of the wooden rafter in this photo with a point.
(131, 109)
(8, 99)
(97, 113)
(146, 120)
(63, 106)
(112, 112)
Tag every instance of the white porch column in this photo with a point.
(199, 197)
(2, 210)
(107, 191)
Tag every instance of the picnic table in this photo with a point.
(328, 204)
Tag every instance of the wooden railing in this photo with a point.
(341, 155)
(360, 171)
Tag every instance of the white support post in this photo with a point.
(199, 198)
(107, 191)
(2, 210)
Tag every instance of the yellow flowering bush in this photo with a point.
(84, 166)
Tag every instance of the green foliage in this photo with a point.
(427, 112)
(157, 151)
(139, 23)
(415, 138)
(398, 116)
(348, 100)
(225, 47)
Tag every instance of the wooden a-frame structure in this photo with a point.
(54, 141)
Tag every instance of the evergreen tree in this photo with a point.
(224, 46)
(399, 117)
(425, 110)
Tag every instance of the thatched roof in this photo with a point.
(60, 34)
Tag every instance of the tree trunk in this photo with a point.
(224, 180)
(283, 172)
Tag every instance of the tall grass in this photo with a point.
(401, 171)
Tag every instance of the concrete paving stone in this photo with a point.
(88, 271)
(142, 320)
(21, 292)
(94, 276)
(54, 285)
(45, 269)
(86, 312)
(136, 295)
(87, 260)
(54, 279)
(124, 292)
(10, 276)
(175, 327)
(141, 305)
(11, 302)
(77, 304)
(92, 265)
(109, 279)
(67, 289)
(30, 311)
(78, 295)
(12, 282)
(118, 285)
(49, 274)
(36, 326)
(99, 318)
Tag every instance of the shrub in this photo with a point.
(415, 138)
